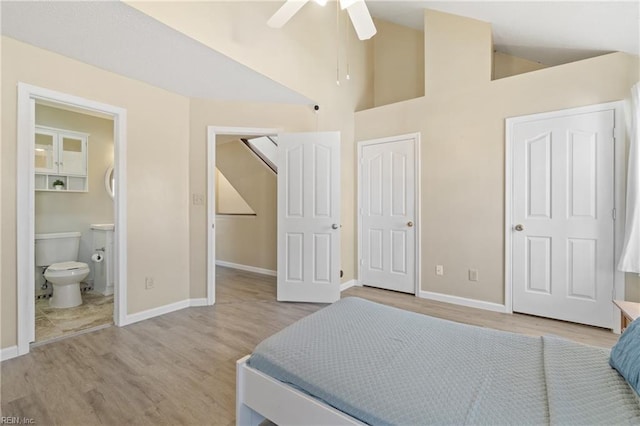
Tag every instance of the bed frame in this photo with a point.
(260, 397)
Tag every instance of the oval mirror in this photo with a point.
(109, 181)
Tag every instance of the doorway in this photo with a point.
(213, 134)
(74, 222)
(564, 202)
(388, 213)
(28, 96)
(308, 211)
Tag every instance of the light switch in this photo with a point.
(198, 199)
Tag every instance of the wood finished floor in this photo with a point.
(180, 368)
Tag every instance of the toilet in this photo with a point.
(58, 254)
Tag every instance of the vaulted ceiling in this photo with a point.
(549, 32)
(116, 37)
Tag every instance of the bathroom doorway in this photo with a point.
(74, 222)
(64, 175)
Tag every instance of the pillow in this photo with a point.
(625, 355)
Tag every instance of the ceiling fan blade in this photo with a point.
(361, 19)
(346, 3)
(286, 12)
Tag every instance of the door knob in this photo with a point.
(335, 226)
(519, 228)
(409, 224)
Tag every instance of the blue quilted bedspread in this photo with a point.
(386, 366)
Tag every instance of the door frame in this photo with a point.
(619, 192)
(415, 137)
(212, 133)
(25, 201)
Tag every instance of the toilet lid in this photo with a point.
(66, 266)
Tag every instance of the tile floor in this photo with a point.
(52, 323)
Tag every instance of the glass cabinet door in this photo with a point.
(60, 155)
(46, 155)
(73, 158)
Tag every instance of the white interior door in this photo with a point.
(309, 217)
(563, 218)
(387, 215)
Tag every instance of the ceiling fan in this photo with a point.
(357, 9)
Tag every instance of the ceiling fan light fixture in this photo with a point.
(346, 3)
(357, 10)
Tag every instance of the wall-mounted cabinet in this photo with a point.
(61, 155)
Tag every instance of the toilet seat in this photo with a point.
(66, 269)
(67, 266)
(65, 278)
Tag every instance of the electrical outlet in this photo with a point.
(473, 275)
(439, 270)
(198, 199)
(149, 283)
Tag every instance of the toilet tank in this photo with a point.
(54, 248)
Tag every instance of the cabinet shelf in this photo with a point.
(44, 182)
(61, 155)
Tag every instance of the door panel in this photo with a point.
(308, 217)
(582, 258)
(539, 265)
(46, 155)
(387, 199)
(563, 186)
(73, 158)
(539, 176)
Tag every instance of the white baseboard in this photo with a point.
(154, 312)
(246, 268)
(348, 284)
(12, 351)
(198, 302)
(8, 353)
(463, 301)
(161, 310)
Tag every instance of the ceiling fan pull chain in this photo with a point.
(338, 43)
(346, 47)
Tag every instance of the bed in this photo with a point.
(359, 362)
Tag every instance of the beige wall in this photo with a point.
(461, 121)
(248, 240)
(62, 212)
(506, 65)
(228, 199)
(457, 53)
(398, 67)
(158, 192)
(294, 56)
(633, 287)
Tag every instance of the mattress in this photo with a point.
(386, 366)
